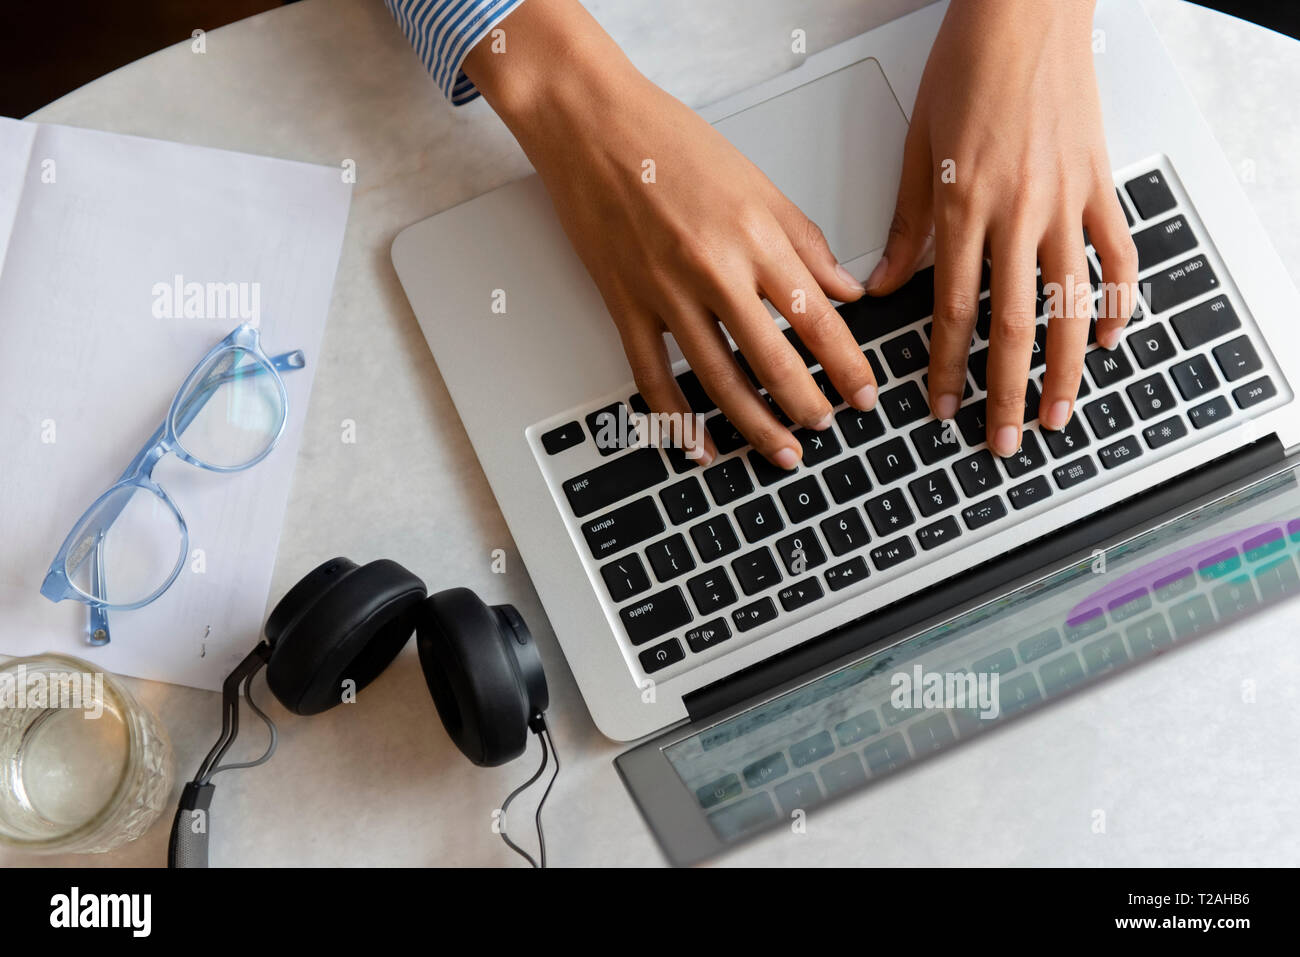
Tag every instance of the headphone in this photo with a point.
(337, 629)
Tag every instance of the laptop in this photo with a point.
(679, 612)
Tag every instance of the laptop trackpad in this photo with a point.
(834, 146)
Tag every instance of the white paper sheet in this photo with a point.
(92, 225)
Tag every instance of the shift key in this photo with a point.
(1173, 285)
(622, 528)
(606, 484)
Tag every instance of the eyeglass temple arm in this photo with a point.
(285, 362)
(98, 630)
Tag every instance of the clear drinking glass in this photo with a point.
(83, 767)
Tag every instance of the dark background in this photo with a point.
(51, 47)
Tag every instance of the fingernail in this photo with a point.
(878, 274)
(1057, 415)
(945, 407)
(1006, 441)
(846, 277)
(865, 398)
(788, 459)
(824, 423)
(700, 455)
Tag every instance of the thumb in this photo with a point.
(913, 222)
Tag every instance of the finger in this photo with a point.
(707, 350)
(958, 266)
(1108, 230)
(1015, 308)
(913, 215)
(810, 245)
(773, 359)
(1069, 305)
(792, 289)
(647, 354)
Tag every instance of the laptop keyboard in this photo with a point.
(687, 560)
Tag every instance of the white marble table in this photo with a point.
(1186, 773)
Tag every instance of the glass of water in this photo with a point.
(83, 767)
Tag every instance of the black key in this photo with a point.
(1027, 459)
(766, 472)
(622, 528)
(1237, 359)
(1194, 377)
(684, 501)
(1174, 285)
(944, 530)
(966, 391)
(1163, 241)
(611, 428)
(889, 512)
(728, 481)
(981, 513)
(1066, 441)
(1120, 452)
(1151, 345)
(874, 316)
(1108, 367)
(678, 459)
(846, 574)
(933, 493)
(714, 538)
(1208, 320)
(1038, 352)
(977, 473)
(805, 354)
(661, 656)
(1028, 493)
(654, 616)
(638, 404)
(1207, 413)
(625, 577)
(906, 354)
(984, 318)
(564, 437)
(859, 428)
(606, 484)
(1107, 415)
(1072, 473)
(670, 558)
(800, 594)
(696, 397)
(777, 412)
(705, 636)
(891, 460)
(1150, 194)
(725, 435)
(1104, 654)
(935, 441)
(1252, 393)
(754, 614)
(904, 404)
(818, 447)
(978, 363)
(797, 793)
(823, 380)
(1151, 396)
(803, 499)
(973, 423)
(887, 754)
(756, 570)
(886, 556)
(877, 368)
(800, 551)
(1032, 397)
(712, 591)
(1128, 217)
(759, 518)
(846, 480)
(1164, 432)
(845, 532)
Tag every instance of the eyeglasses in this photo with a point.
(130, 545)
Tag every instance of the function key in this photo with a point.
(1207, 413)
(904, 404)
(1028, 493)
(1151, 396)
(847, 573)
(1194, 377)
(651, 617)
(1253, 393)
(1120, 452)
(1174, 285)
(1072, 473)
(1107, 415)
(1163, 241)
(1151, 345)
(754, 614)
(1150, 194)
(684, 501)
(1208, 320)
(625, 577)
(886, 556)
(800, 594)
(1108, 366)
(944, 530)
(661, 656)
(728, 481)
(982, 513)
(1163, 432)
(565, 437)
(705, 636)
(611, 428)
(1237, 359)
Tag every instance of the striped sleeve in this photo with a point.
(444, 31)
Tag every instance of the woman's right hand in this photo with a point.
(678, 230)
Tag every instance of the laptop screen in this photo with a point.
(837, 734)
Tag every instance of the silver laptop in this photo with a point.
(671, 603)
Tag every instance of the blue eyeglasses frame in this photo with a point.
(188, 401)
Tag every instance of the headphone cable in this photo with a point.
(543, 737)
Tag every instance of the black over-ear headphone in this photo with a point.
(338, 628)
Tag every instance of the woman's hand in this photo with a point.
(1006, 158)
(678, 230)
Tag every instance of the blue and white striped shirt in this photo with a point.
(444, 31)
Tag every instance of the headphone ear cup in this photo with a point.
(340, 623)
(474, 676)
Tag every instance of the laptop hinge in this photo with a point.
(1027, 562)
